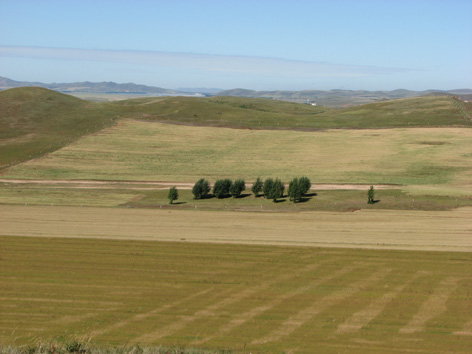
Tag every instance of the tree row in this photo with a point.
(270, 189)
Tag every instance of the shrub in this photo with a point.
(201, 189)
(75, 347)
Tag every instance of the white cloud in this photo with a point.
(205, 63)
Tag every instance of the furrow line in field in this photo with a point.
(145, 315)
(367, 314)
(307, 313)
(209, 311)
(242, 318)
(432, 307)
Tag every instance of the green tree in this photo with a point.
(173, 195)
(222, 187)
(295, 190)
(257, 187)
(201, 189)
(305, 185)
(276, 191)
(370, 195)
(267, 187)
(237, 187)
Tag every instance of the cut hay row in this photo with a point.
(263, 299)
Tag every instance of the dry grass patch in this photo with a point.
(381, 229)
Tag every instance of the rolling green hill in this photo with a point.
(35, 121)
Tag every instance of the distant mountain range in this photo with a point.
(332, 98)
(89, 87)
(341, 98)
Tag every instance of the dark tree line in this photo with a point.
(270, 188)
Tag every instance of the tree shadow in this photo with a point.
(208, 196)
(374, 202)
(311, 194)
(178, 203)
(276, 201)
(241, 196)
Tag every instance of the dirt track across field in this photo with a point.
(379, 229)
(149, 185)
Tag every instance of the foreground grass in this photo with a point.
(245, 298)
(78, 347)
(134, 150)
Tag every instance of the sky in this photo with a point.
(259, 45)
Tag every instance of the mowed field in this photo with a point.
(425, 160)
(380, 229)
(249, 298)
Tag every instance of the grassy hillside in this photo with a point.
(256, 113)
(35, 121)
(231, 112)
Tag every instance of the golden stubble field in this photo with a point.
(250, 298)
(380, 229)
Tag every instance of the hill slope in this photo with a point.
(35, 121)
(257, 113)
(87, 86)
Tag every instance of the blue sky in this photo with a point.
(262, 45)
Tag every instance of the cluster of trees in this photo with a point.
(222, 188)
(270, 189)
(225, 187)
(298, 188)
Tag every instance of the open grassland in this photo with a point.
(36, 121)
(381, 229)
(270, 114)
(427, 160)
(257, 299)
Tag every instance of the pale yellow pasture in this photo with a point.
(379, 229)
(437, 160)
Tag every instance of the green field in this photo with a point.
(248, 298)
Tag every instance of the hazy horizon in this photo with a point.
(265, 45)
